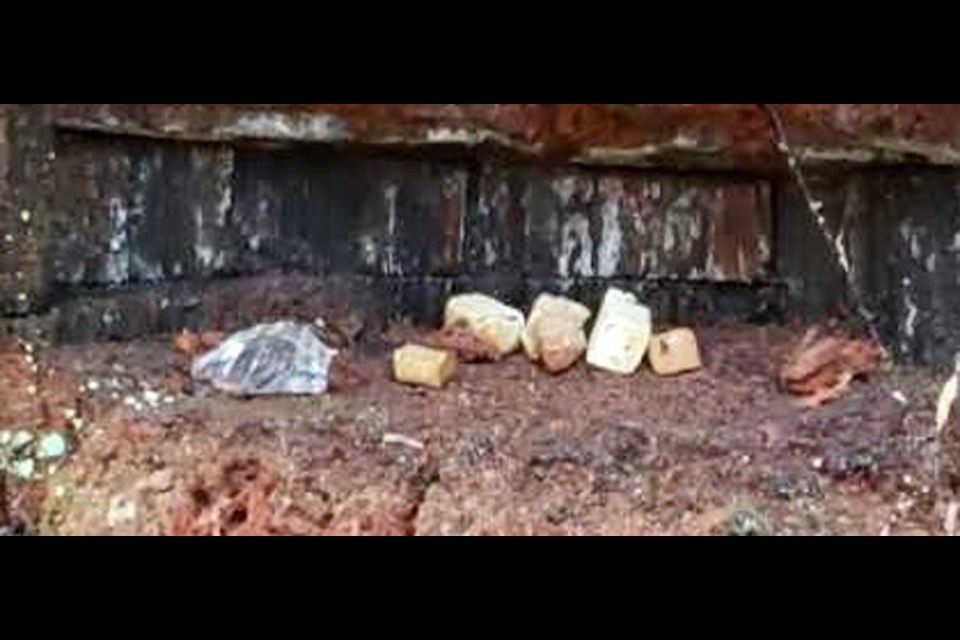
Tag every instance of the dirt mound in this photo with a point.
(505, 450)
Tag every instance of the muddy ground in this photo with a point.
(505, 450)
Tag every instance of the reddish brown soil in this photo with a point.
(507, 450)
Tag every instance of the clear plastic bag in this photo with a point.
(285, 358)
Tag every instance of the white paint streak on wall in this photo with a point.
(611, 243)
(368, 248)
(913, 315)
(118, 255)
(392, 267)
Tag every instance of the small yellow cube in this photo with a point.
(422, 366)
(675, 352)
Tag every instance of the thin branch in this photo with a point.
(815, 207)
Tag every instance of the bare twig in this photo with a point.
(815, 206)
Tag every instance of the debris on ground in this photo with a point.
(192, 344)
(555, 335)
(52, 446)
(621, 336)
(187, 343)
(402, 440)
(25, 455)
(423, 366)
(746, 521)
(675, 352)
(505, 451)
(285, 358)
(488, 319)
(822, 366)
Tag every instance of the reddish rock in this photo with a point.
(822, 366)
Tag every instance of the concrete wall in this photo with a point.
(148, 217)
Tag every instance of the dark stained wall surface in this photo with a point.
(130, 218)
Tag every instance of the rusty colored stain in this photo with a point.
(662, 227)
(741, 232)
(727, 135)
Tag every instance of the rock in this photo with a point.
(621, 336)
(278, 359)
(822, 366)
(191, 344)
(187, 343)
(23, 469)
(675, 352)
(122, 511)
(21, 440)
(423, 366)
(555, 333)
(489, 320)
(52, 447)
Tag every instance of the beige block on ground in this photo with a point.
(422, 366)
(488, 319)
(675, 352)
(555, 333)
(621, 336)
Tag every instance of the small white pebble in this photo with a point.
(93, 385)
(25, 216)
(151, 397)
(169, 400)
(9, 239)
(23, 469)
(22, 297)
(817, 463)
(59, 492)
(900, 398)
(21, 439)
(32, 390)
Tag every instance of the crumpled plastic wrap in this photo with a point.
(285, 358)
